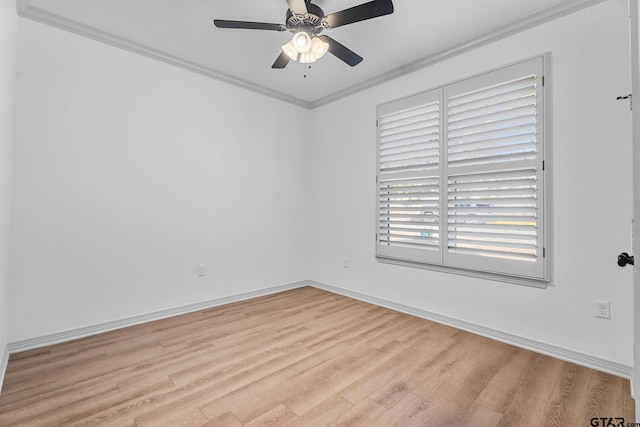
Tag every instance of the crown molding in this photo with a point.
(503, 32)
(28, 11)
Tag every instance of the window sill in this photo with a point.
(515, 280)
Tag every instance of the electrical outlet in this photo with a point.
(347, 264)
(202, 270)
(603, 309)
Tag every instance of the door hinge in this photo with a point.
(544, 252)
(542, 80)
(629, 97)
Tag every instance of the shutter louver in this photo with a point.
(410, 140)
(409, 213)
(493, 125)
(494, 215)
(408, 178)
(492, 184)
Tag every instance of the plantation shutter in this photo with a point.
(494, 172)
(460, 176)
(408, 179)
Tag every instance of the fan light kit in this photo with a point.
(304, 49)
(306, 21)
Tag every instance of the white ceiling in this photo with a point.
(181, 32)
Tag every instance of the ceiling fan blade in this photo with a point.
(342, 52)
(223, 23)
(281, 61)
(298, 7)
(365, 11)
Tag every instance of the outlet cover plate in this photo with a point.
(202, 270)
(603, 309)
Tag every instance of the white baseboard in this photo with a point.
(60, 337)
(4, 360)
(561, 353)
(599, 364)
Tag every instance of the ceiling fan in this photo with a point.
(306, 21)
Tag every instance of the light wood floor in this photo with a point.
(301, 357)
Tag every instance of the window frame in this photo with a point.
(473, 265)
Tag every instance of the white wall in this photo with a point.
(130, 172)
(8, 35)
(591, 201)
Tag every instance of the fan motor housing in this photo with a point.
(311, 20)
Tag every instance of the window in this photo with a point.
(461, 179)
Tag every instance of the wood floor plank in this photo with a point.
(388, 384)
(567, 404)
(410, 410)
(478, 415)
(323, 414)
(336, 376)
(275, 417)
(303, 357)
(183, 416)
(530, 404)
(109, 411)
(250, 399)
(161, 407)
(208, 365)
(507, 382)
(365, 413)
(405, 329)
(225, 420)
(375, 322)
(470, 367)
(54, 412)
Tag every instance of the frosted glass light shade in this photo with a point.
(290, 50)
(319, 47)
(302, 42)
(307, 58)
